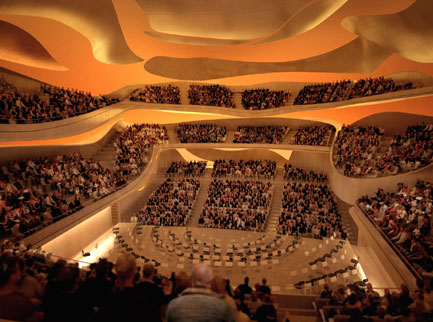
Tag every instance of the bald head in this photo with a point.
(201, 275)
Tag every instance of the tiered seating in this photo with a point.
(60, 104)
(355, 147)
(404, 216)
(322, 93)
(310, 210)
(211, 95)
(171, 203)
(37, 192)
(260, 134)
(264, 98)
(201, 133)
(156, 94)
(299, 174)
(244, 169)
(237, 205)
(313, 135)
(375, 86)
(186, 169)
(132, 147)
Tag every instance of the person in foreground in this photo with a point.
(199, 303)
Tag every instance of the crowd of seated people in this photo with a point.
(244, 169)
(35, 108)
(347, 89)
(410, 151)
(405, 217)
(322, 93)
(35, 287)
(211, 95)
(38, 191)
(260, 134)
(363, 303)
(312, 135)
(355, 148)
(186, 169)
(171, 203)
(201, 133)
(299, 174)
(375, 86)
(310, 210)
(132, 147)
(242, 205)
(264, 98)
(156, 94)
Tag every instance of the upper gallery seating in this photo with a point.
(244, 169)
(211, 95)
(264, 98)
(50, 104)
(201, 133)
(260, 134)
(156, 94)
(313, 135)
(299, 174)
(186, 169)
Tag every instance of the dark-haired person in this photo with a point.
(13, 304)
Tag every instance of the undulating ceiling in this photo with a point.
(104, 45)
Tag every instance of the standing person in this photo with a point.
(199, 303)
(245, 288)
(266, 312)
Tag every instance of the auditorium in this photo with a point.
(191, 160)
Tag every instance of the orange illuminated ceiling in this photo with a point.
(102, 45)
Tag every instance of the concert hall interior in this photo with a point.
(290, 141)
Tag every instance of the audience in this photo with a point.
(171, 203)
(39, 191)
(201, 133)
(133, 146)
(242, 205)
(156, 94)
(299, 174)
(405, 217)
(375, 86)
(313, 135)
(310, 210)
(211, 95)
(264, 98)
(244, 169)
(186, 169)
(355, 147)
(260, 134)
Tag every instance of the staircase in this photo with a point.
(289, 136)
(348, 223)
(275, 210)
(115, 213)
(107, 155)
(230, 136)
(201, 198)
(172, 135)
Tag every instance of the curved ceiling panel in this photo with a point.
(408, 33)
(358, 56)
(20, 47)
(96, 20)
(248, 19)
(193, 40)
(307, 19)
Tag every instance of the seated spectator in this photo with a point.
(322, 93)
(375, 86)
(201, 133)
(186, 169)
(171, 203)
(211, 95)
(310, 210)
(313, 135)
(156, 94)
(260, 134)
(263, 98)
(240, 205)
(244, 169)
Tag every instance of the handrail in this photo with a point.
(391, 244)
